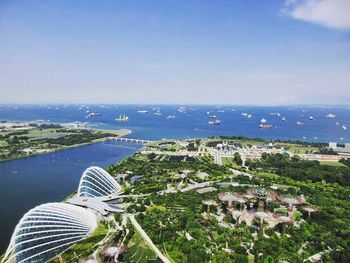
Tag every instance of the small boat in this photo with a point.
(265, 126)
(221, 111)
(344, 127)
(275, 114)
(330, 115)
(142, 111)
(283, 118)
(181, 109)
(158, 113)
(249, 116)
(337, 123)
(92, 114)
(299, 123)
(263, 120)
(122, 117)
(214, 122)
(212, 116)
(244, 114)
(311, 118)
(171, 117)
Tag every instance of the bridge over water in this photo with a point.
(122, 139)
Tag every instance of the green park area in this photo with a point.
(45, 138)
(139, 251)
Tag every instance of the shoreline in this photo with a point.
(118, 133)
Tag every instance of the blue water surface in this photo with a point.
(27, 182)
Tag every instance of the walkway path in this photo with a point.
(148, 240)
(217, 158)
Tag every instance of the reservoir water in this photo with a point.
(25, 183)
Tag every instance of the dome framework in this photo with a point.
(47, 230)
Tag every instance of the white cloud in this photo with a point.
(329, 13)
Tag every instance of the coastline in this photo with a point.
(117, 133)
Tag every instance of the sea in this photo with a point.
(192, 122)
(27, 182)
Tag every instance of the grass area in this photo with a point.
(332, 163)
(251, 259)
(237, 141)
(19, 144)
(268, 175)
(228, 161)
(139, 251)
(294, 148)
(84, 247)
(297, 148)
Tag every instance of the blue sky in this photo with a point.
(199, 52)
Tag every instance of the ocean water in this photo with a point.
(194, 122)
(27, 182)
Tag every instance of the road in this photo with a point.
(148, 240)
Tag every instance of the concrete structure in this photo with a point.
(47, 230)
(95, 203)
(122, 139)
(341, 149)
(332, 145)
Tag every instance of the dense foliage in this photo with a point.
(176, 224)
(45, 137)
(302, 170)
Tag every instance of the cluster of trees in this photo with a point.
(345, 161)
(193, 145)
(84, 136)
(167, 218)
(158, 172)
(302, 170)
(304, 143)
(13, 143)
(171, 228)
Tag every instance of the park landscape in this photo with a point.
(179, 198)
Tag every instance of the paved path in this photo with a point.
(217, 158)
(148, 240)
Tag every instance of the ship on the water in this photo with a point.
(214, 121)
(142, 111)
(157, 113)
(330, 115)
(181, 109)
(265, 126)
(91, 114)
(122, 117)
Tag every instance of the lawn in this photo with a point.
(332, 163)
(268, 175)
(229, 162)
(139, 251)
(297, 148)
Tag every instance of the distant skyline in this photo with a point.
(270, 52)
